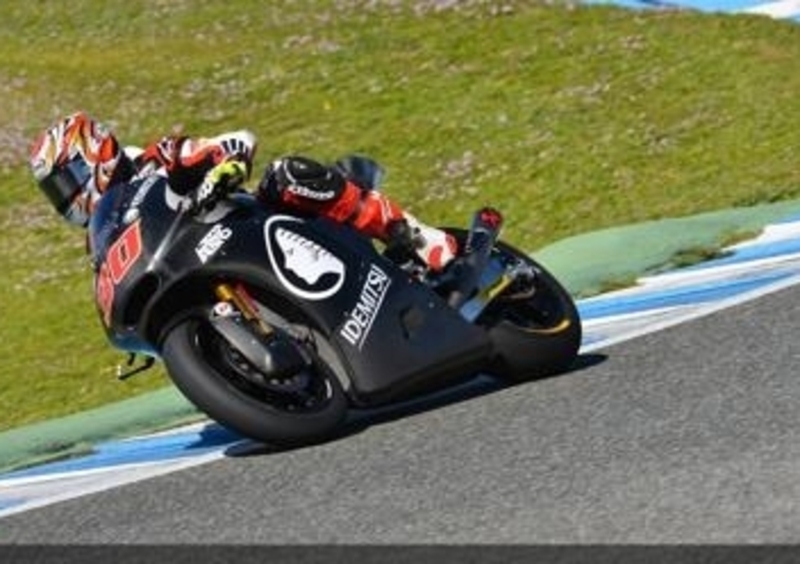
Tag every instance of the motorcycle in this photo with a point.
(277, 325)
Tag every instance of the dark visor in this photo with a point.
(64, 182)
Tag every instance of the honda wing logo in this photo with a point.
(303, 266)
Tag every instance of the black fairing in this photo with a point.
(154, 264)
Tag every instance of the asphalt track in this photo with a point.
(684, 435)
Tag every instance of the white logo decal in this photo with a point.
(212, 242)
(309, 193)
(304, 267)
(132, 213)
(359, 321)
(141, 192)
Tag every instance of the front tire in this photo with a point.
(206, 369)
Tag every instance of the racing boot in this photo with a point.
(435, 247)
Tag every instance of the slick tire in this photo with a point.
(198, 373)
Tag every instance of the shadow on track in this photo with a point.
(360, 420)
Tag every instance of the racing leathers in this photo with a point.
(201, 168)
(307, 185)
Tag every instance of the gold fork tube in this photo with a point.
(226, 293)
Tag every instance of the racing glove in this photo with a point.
(220, 181)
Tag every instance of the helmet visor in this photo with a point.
(64, 183)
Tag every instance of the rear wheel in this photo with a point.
(300, 408)
(534, 324)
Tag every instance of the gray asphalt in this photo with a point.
(688, 435)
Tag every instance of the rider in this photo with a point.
(78, 159)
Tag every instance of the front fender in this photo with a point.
(175, 302)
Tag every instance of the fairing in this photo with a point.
(154, 264)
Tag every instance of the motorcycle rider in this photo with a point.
(76, 160)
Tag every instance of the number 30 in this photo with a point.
(121, 256)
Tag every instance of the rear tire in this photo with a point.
(205, 368)
(533, 337)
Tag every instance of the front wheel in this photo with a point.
(212, 374)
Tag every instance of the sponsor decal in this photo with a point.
(303, 266)
(142, 191)
(212, 242)
(311, 194)
(132, 213)
(359, 320)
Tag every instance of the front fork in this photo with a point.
(273, 353)
(235, 317)
(240, 300)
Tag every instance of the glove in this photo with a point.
(220, 181)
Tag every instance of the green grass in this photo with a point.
(570, 119)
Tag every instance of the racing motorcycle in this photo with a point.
(277, 325)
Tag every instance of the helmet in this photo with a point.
(74, 162)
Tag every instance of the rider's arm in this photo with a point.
(304, 184)
(187, 160)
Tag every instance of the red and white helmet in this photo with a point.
(74, 162)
